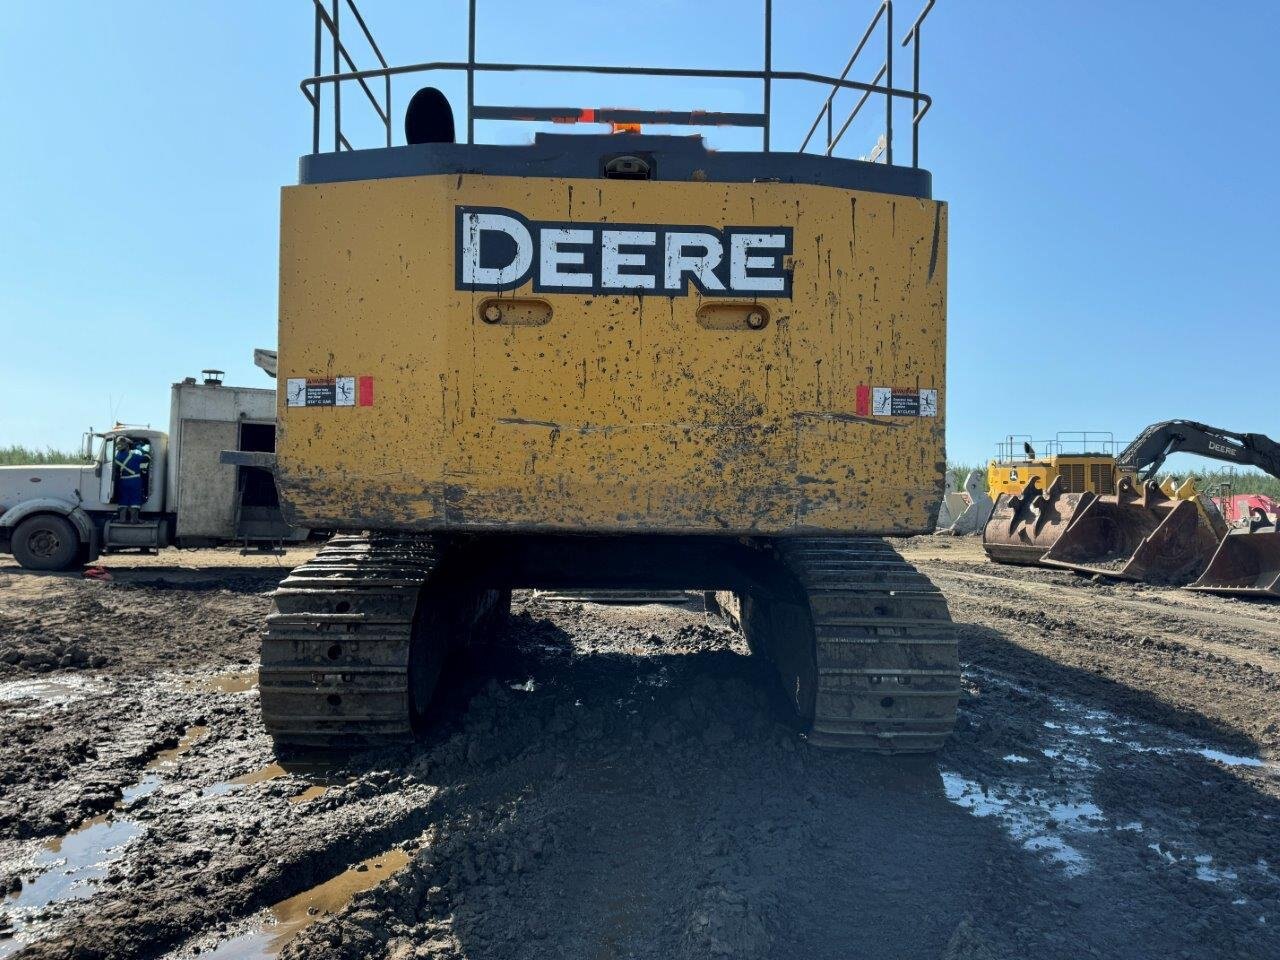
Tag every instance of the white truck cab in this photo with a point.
(55, 517)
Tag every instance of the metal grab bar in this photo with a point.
(462, 65)
(312, 87)
(886, 7)
(330, 20)
(913, 37)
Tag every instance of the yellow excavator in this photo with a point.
(1142, 529)
(1075, 466)
(619, 361)
(1088, 470)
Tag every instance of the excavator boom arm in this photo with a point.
(1148, 452)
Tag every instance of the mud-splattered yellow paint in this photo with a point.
(619, 413)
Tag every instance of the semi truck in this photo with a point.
(54, 517)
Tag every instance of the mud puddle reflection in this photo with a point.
(152, 780)
(70, 868)
(1037, 821)
(319, 771)
(1045, 800)
(239, 682)
(50, 691)
(287, 917)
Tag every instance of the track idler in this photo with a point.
(1247, 562)
(1147, 536)
(1025, 525)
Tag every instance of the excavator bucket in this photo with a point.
(1247, 562)
(1146, 536)
(1025, 525)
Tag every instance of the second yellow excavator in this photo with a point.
(1143, 530)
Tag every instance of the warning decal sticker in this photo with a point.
(898, 402)
(329, 391)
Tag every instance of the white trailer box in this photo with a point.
(205, 419)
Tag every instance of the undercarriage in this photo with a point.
(862, 643)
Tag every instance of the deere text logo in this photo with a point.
(498, 249)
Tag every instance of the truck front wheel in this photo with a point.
(46, 542)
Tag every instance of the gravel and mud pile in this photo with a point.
(623, 781)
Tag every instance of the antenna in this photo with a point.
(115, 405)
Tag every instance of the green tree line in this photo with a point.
(1207, 481)
(16, 455)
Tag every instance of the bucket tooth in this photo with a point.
(1025, 525)
(1137, 535)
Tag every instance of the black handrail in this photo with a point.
(913, 37)
(330, 19)
(886, 6)
(313, 86)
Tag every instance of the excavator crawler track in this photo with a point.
(353, 645)
(886, 675)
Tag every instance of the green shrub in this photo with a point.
(959, 471)
(16, 455)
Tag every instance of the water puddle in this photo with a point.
(1104, 727)
(1231, 760)
(286, 918)
(51, 691)
(190, 738)
(152, 781)
(143, 788)
(239, 682)
(1038, 822)
(1057, 816)
(273, 771)
(1204, 868)
(71, 867)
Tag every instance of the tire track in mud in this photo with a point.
(1104, 616)
(1215, 676)
(1170, 616)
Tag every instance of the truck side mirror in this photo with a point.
(86, 445)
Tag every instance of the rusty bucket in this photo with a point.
(1025, 525)
(1147, 536)
(1247, 563)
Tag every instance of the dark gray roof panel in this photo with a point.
(582, 156)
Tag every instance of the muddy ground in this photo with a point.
(612, 782)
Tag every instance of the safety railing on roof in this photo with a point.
(1014, 447)
(331, 14)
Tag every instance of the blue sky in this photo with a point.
(1110, 170)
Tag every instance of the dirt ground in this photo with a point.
(622, 781)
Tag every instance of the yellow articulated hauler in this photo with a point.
(614, 360)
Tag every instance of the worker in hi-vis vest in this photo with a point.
(131, 463)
